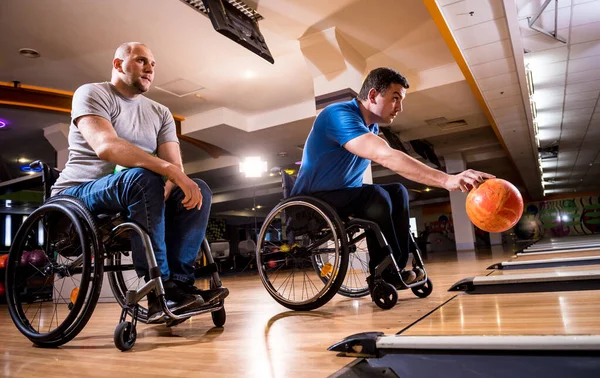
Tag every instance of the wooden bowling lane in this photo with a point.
(565, 255)
(552, 313)
(556, 270)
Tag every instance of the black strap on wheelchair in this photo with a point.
(206, 270)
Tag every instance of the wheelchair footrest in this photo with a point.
(207, 307)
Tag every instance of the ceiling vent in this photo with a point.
(550, 152)
(180, 87)
(445, 125)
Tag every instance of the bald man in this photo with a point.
(113, 124)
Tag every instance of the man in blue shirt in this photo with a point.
(341, 145)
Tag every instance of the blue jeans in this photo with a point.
(176, 233)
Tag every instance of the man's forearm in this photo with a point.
(414, 170)
(123, 153)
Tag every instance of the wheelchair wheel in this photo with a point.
(125, 336)
(122, 277)
(298, 232)
(424, 290)
(385, 295)
(355, 281)
(54, 273)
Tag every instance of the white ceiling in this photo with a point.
(248, 106)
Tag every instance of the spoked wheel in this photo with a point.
(355, 280)
(424, 290)
(385, 295)
(54, 273)
(122, 277)
(295, 234)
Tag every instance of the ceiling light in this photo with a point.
(23, 160)
(249, 74)
(29, 53)
(253, 167)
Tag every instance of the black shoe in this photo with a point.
(209, 296)
(391, 276)
(177, 301)
(419, 272)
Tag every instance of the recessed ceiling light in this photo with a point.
(283, 154)
(29, 53)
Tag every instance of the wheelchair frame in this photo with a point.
(95, 246)
(383, 294)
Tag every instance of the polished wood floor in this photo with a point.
(555, 313)
(263, 339)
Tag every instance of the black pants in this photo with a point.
(386, 205)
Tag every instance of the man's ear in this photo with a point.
(118, 64)
(373, 95)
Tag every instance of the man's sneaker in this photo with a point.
(391, 276)
(408, 276)
(209, 296)
(177, 301)
(419, 272)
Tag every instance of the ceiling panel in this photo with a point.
(481, 34)
(489, 52)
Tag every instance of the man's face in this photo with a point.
(138, 68)
(388, 105)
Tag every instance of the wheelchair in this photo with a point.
(306, 254)
(56, 265)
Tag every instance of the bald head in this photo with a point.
(126, 48)
(133, 68)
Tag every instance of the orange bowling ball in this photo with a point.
(495, 206)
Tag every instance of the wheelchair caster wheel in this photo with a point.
(385, 295)
(219, 317)
(424, 290)
(125, 335)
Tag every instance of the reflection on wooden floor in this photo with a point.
(557, 313)
(565, 255)
(263, 339)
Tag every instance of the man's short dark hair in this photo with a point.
(381, 79)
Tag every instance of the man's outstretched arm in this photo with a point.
(374, 148)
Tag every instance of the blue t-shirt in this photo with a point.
(326, 164)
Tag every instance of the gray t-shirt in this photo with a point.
(141, 121)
